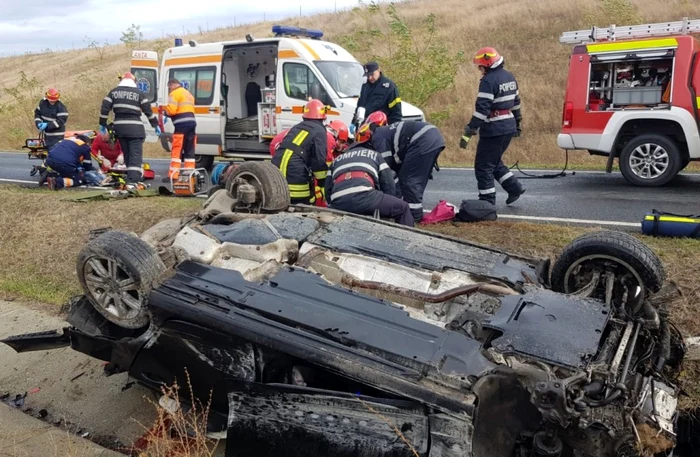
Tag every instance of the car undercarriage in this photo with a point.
(320, 332)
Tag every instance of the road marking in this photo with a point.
(19, 181)
(562, 219)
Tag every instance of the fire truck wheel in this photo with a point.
(650, 160)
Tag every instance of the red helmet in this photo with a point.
(486, 57)
(128, 75)
(52, 95)
(374, 120)
(339, 130)
(315, 109)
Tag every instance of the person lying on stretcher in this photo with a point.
(108, 152)
(70, 159)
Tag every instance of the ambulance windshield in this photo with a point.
(345, 78)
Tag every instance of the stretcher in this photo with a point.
(658, 223)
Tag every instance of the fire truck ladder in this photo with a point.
(614, 33)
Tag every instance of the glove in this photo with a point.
(464, 141)
(517, 128)
(106, 163)
(103, 129)
(120, 159)
(352, 129)
(158, 131)
(165, 120)
(43, 125)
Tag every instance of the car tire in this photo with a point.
(271, 185)
(610, 251)
(670, 160)
(206, 162)
(117, 271)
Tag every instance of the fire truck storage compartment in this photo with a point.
(247, 70)
(637, 83)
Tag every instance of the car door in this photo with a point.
(297, 85)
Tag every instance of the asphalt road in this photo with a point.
(593, 198)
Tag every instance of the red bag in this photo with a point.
(442, 212)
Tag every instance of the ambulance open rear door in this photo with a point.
(144, 66)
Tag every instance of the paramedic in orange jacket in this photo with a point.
(180, 109)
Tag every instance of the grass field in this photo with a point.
(525, 31)
(42, 233)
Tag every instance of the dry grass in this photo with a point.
(525, 31)
(41, 236)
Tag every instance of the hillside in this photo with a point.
(525, 31)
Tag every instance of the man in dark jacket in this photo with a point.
(50, 117)
(127, 103)
(411, 148)
(379, 93)
(301, 156)
(496, 119)
(361, 182)
(71, 160)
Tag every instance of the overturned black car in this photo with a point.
(323, 333)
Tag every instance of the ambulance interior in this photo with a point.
(247, 69)
(630, 84)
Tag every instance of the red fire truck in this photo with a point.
(634, 93)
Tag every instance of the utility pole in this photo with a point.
(299, 10)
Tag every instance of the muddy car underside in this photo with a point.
(324, 333)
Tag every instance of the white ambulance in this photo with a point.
(247, 91)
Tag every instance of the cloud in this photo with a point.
(38, 25)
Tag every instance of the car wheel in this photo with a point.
(117, 271)
(610, 266)
(272, 192)
(650, 160)
(206, 162)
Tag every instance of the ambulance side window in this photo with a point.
(146, 82)
(299, 81)
(198, 80)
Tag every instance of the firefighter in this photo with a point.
(301, 156)
(71, 160)
(107, 151)
(361, 182)
(127, 103)
(378, 93)
(497, 120)
(180, 109)
(411, 148)
(50, 116)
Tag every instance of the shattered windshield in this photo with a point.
(345, 78)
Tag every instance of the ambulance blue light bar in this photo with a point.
(280, 30)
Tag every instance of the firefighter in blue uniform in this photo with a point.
(411, 149)
(71, 160)
(497, 120)
(378, 93)
(361, 182)
(50, 116)
(301, 155)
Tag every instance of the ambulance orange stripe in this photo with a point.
(144, 63)
(287, 54)
(310, 49)
(191, 60)
(205, 110)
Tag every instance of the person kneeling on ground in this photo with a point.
(361, 182)
(71, 160)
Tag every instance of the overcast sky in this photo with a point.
(36, 25)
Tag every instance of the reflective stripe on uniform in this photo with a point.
(487, 191)
(420, 133)
(478, 115)
(350, 190)
(285, 161)
(502, 117)
(505, 98)
(120, 122)
(485, 95)
(396, 101)
(397, 135)
(301, 136)
(321, 174)
(299, 190)
(505, 177)
(386, 154)
(415, 205)
(126, 106)
(367, 167)
(383, 166)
